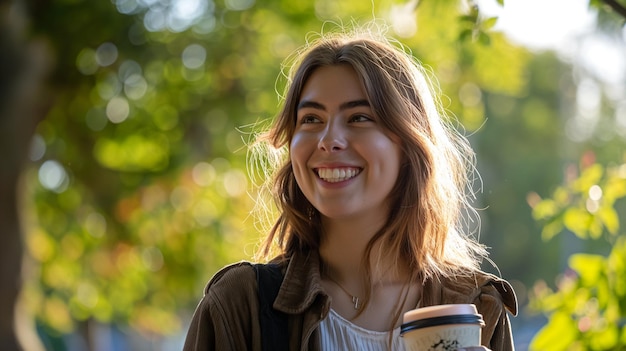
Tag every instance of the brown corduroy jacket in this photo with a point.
(227, 317)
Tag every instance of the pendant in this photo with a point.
(357, 302)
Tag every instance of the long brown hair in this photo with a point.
(430, 201)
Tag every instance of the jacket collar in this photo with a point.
(465, 289)
(301, 285)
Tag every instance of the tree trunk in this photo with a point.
(23, 68)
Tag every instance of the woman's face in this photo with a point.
(344, 161)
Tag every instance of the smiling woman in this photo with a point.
(370, 223)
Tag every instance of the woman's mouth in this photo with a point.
(335, 175)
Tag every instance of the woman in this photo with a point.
(371, 200)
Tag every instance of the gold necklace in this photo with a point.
(355, 299)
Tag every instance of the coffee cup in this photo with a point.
(442, 327)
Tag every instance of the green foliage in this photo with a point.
(584, 206)
(588, 309)
(476, 28)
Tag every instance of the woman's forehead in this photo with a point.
(338, 84)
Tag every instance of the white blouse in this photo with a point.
(338, 333)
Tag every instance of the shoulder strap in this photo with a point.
(274, 331)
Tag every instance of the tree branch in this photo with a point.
(617, 7)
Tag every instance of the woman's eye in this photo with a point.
(309, 119)
(360, 118)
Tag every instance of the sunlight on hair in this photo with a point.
(263, 160)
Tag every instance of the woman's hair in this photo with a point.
(427, 224)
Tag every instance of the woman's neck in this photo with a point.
(343, 246)
(390, 293)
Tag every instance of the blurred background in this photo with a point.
(123, 177)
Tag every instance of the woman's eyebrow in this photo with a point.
(346, 105)
(310, 104)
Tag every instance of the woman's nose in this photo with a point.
(333, 138)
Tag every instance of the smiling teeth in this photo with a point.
(334, 175)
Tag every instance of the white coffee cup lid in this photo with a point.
(439, 310)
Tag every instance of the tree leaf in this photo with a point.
(545, 209)
(610, 219)
(465, 35)
(589, 177)
(551, 229)
(468, 18)
(489, 23)
(578, 221)
(605, 339)
(590, 268)
(557, 335)
(484, 38)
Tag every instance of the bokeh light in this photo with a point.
(52, 176)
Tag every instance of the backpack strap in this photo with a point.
(274, 330)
